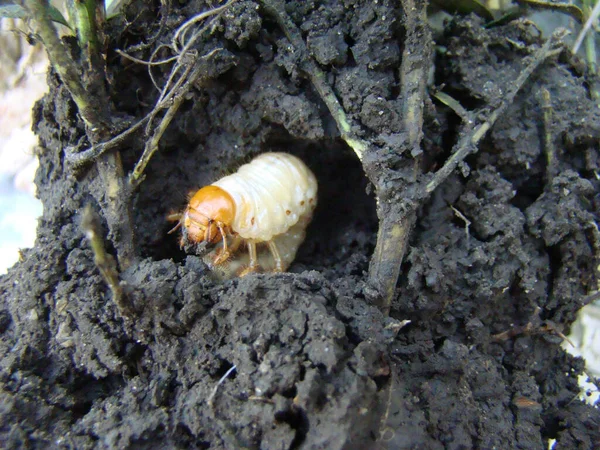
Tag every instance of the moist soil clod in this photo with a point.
(317, 364)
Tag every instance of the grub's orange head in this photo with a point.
(208, 209)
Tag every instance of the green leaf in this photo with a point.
(14, 11)
(57, 16)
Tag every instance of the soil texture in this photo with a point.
(499, 262)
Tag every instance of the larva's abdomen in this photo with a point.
(271, 194)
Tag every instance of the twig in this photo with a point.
(211, 397)
(454, 105)
(316, 76)
(465, 220)
(396, 221)
(197, 70)
(393, 236)
(548, 137)
(152, 144)
(78, 159)
(170, 96)
(104, 261)
(586, 28)
(472, 136)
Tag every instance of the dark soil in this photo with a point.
(315, 363)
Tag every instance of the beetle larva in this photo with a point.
(269, 200)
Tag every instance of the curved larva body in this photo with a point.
(266, 205)
(271, 194)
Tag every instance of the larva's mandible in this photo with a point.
(269, 200)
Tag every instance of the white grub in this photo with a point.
(258, 215)
(271, 194)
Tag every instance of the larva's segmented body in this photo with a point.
(270, 193)
(269, 200)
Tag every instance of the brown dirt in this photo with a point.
(314, 361)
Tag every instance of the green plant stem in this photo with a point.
(86, 85)
(104, 261)
(82, 14)
(63, 64)
(551, 163)
(590, 39)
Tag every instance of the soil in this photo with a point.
(316, 366)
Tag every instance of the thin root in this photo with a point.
(212, 395)
(182, 76)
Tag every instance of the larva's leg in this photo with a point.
(174, 217)
(252, 255)
(253, 266)
(221, 256)
(175, 228)
(276, 257)
(225, 252)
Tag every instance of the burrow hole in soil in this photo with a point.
(344, 227)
